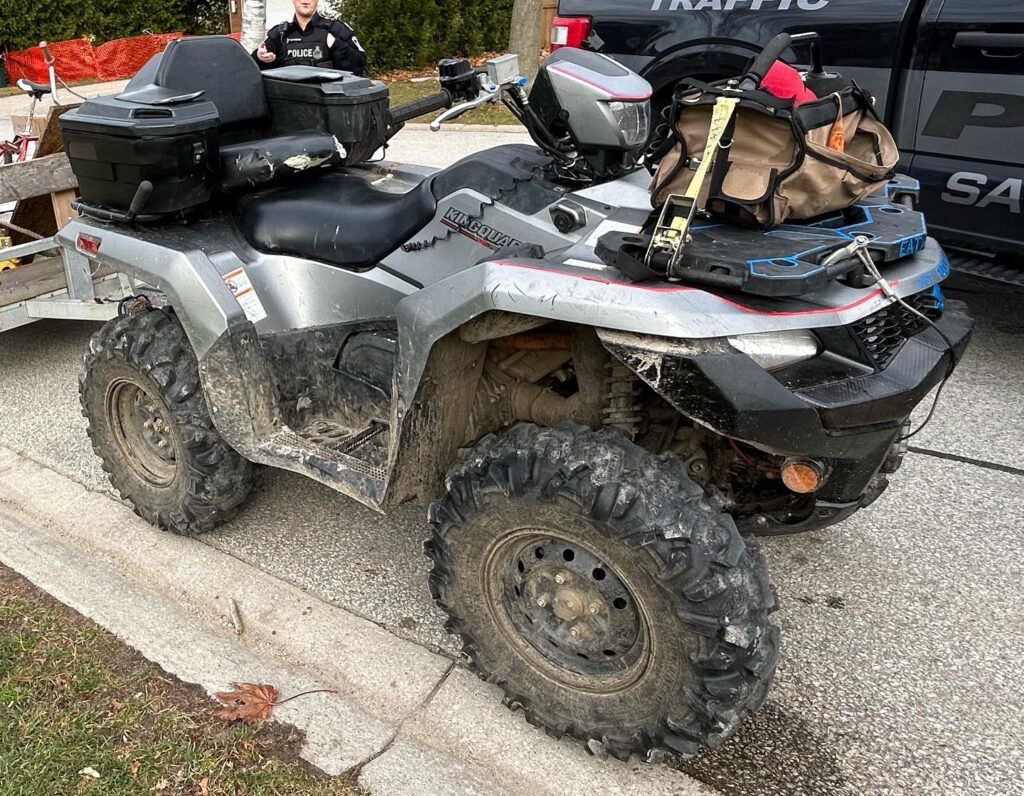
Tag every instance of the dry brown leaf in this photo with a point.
(203, 787)
(249, 702)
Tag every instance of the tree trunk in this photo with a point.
(524, 40)
(254, 23)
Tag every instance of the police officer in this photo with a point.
(311, 40)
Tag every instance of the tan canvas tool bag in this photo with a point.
(778, 161)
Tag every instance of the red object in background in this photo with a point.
(124, 57)
(74, 61)
(785, 82)
(569, 31)
(77, 59)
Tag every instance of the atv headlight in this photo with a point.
(633, 120)
(774, 350)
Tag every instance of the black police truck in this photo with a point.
(947, 75)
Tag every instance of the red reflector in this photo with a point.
(87, 244)
(569, 31)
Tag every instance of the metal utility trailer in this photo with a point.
(57, 287)
(64, 286)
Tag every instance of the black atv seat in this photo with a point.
(337, 219)
(36, 90)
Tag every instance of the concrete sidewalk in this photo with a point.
(18, 103)
(406, 720)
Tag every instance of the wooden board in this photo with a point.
(18, 124)
(37, 213)
(62, 210)
(37, 177)
(548, 13)
(40, 277)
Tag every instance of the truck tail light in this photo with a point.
(569, 31)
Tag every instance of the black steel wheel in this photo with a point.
(603, 590)
(584, 625)
(150, 426)
(141, 430)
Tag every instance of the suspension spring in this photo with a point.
(622, 407)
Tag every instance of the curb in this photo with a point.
(406, 719)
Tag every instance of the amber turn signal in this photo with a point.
(801, 476)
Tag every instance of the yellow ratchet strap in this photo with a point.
(672, 231)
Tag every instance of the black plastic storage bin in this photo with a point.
(114, 145)
(352, 109)
(167, 127)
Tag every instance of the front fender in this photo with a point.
(598, 297)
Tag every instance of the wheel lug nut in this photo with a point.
(559, 579)
(594, 608)
(542, 601)
(576, 631)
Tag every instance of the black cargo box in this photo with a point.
(167, 127)
(352, 109)
(114, 145)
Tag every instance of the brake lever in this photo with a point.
(489, 92)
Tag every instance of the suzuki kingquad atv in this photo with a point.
(592, 448)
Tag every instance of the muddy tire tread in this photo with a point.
(718, 580)
(219, 480)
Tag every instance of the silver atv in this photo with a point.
(595, 450)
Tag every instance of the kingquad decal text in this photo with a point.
(477, 231)
(738, 5)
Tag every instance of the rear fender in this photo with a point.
(192, 284)
(236, 378)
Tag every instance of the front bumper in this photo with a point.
(848, 422)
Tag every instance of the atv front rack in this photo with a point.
(788, 260)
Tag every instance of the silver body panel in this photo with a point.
(432, 290)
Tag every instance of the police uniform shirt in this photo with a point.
(328, 43)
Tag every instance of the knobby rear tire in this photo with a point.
(208, 482)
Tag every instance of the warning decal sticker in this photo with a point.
(241, 288)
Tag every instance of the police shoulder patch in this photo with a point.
(340, 29)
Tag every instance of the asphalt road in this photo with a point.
(902, 627)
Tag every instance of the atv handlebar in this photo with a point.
(459, 80)
(489, 92)
(410, 110)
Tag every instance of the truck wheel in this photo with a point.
(603, 590)
(150, 426)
